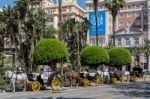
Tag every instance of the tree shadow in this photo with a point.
(59, 98)
(134, 85)
(136, 89)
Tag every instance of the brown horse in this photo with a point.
(73, 75)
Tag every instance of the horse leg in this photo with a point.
(25, 85)
(13, 83)
(71, 81)
(77, 82)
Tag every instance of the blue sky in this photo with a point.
(11, 2)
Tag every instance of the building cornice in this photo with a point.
(127, 1)
(65, 5)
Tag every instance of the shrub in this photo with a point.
(50, 51)
(119, 57)
(94, 55)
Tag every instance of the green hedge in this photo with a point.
(119, 57)
(50, 51)
(94, 56)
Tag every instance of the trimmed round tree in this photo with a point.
(94, 56)
(119, 57)
(50, 52)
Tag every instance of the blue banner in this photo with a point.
(101, 23)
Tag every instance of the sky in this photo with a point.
(11, 2)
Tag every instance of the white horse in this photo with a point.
(105, 75)
(14, 77)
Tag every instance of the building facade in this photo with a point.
(132, 28)
(132, 25)
(70, 9)
(104, 23)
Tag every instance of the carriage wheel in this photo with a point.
(56, 83)
(143, 77)
(135, 78)
(98, 80)
(36, 86)
(86, 82)
(114, 80)
(123, 79)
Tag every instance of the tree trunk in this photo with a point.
(60, 21)
(147, 59)
(96, 20)
(78, 53)
(114, 21)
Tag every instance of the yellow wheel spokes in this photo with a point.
(144, 77)
(86, 82)
(36, 86)
(123, 79)
(135, 78)
(114, 80)
(98, 80)
(56, 84)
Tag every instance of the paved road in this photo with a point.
(138, 90)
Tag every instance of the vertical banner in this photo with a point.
(101, 23)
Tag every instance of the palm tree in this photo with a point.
(8, 18)
(114, 6)
(51, 32)
(136, 52)
(95, 2)
(21, 7)
(75, 38)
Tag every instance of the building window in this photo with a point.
(50, 19)
(51, 11)
(129, 23)
(138, 22)
(90, 7)
(137, 5)
(136, 41)
(64, 9)
(121, 15)
(69, 8)
(99, 6)
(129, 14)
(138, 14)
(119, 42)
(121, 24)
(127, 41)
(129, 6)
(100, 42)
(145, 22)
(93, 42)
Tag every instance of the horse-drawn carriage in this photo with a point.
(98, 77)
(35, 81)
(137, 73)
(87, 78)
(119, 76)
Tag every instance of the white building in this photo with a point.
(104, 23)
(132, 25)
(70, 9)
